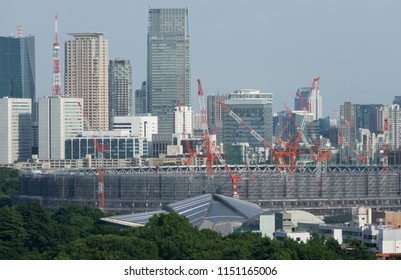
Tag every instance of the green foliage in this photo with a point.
(12, 234)
(75, 232)
(358, 251)
(42, 231)
(9, 184)
(109, 247)
(82, 220)
(175, 237)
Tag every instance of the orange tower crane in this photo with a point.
(210, 156)
(100, 181)
(293, 149)
(100, 171)
(278, 155)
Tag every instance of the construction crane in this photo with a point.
(293, 149)
(100, 171)
(304, 120)
(100, 182)
(364, 158)
(278, 155)
(210, 156)
(234, 177)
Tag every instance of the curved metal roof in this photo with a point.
(213, 211)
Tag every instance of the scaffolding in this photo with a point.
(140, 189)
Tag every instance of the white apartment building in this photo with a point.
(60, 118)
(316, 104)
(138, 126)
(15, 127)
(183, 121)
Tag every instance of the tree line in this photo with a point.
(29, 232)
(77, 233)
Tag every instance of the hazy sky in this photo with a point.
(275, 46)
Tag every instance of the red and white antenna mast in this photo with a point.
(19, 31)
(56, 88)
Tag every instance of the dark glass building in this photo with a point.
(168, 64)
(120, 89)
(119, 147)
(17, 67)
(253, 107)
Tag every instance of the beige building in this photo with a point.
(86, 76)
(390, 219)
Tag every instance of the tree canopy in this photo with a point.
(76, 232)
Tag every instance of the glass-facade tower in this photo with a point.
(120, 88)
(17, 67)
(168, 64)
(256, 109)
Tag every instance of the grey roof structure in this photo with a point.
(213, 211)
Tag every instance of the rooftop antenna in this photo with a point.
(56, 85)
(19, 31)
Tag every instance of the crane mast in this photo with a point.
(245, 125)
(100, 171)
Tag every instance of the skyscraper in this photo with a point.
(141, 100)
(17, 67)
(15, 127)
(302, 94)
(168, 62)
(311, 99)
(120, 88)
(256, 109)
(214, 110)
(86, 76)
(316, 107)
(60, 118)
(183, 121)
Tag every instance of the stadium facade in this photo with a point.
(138, 189)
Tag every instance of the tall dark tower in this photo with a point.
(17, 66)
(168, 63)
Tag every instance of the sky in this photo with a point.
(277, 46)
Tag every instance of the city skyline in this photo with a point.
(274, 47)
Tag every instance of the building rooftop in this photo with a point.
(86, 34)
(212, 211)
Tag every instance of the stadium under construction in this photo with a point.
(139, 189)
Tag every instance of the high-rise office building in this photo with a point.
(138, 126)
(120, 88)
(214, 111)
(17, 67)
(86, 76)
(301, 99)
(393, 115)
(316, 105)
(397, 100)
(183, 121)
(15, 127)
(347, 132)
(311, 100)
(60, 118)
(141, 100)
(168, 62)
(366, 116)
(256, 109)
